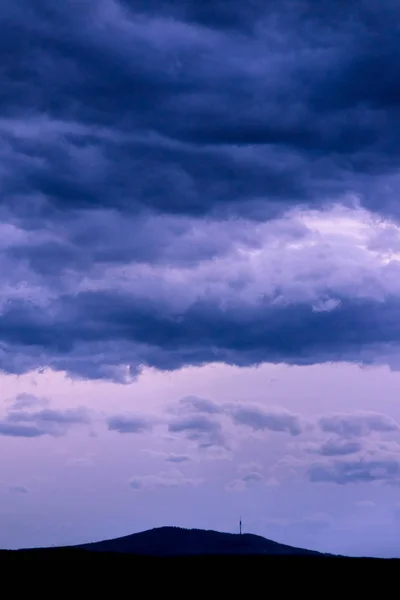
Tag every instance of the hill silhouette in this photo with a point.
(170, 558)
(175, 541)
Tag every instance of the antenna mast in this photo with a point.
(240, 526)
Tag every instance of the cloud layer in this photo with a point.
(168, 173)
(158, 104)
(356, 447)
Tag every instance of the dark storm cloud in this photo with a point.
(93, 334)
(186, 110)
(147, 133)
(100, 245)
(126, 424)
(92, 323)
(102, 237)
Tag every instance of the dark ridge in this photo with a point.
(175, 541)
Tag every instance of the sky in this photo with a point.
(200, 270)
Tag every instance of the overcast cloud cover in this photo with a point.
(200, 269)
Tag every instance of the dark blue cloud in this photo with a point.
(92, 334)
(216, 14)
(163, 106)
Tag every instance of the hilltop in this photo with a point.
(175, 541)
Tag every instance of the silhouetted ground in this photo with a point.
(239, 570)
(75, 573)
(276, 568)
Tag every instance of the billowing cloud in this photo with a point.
(363, 470)
(250, 474)
(358, 424)
(67, 417)
(130, 424)
(297, 301)
(195, 404)
(377, 460)
(260, 419)
(24, 401)
(336, 447)
(20, 423)
(217, 426)
(204, 430)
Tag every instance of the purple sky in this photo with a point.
(200, 271)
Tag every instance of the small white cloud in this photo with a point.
(326, 305)
(365, 504)
(162, 480)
